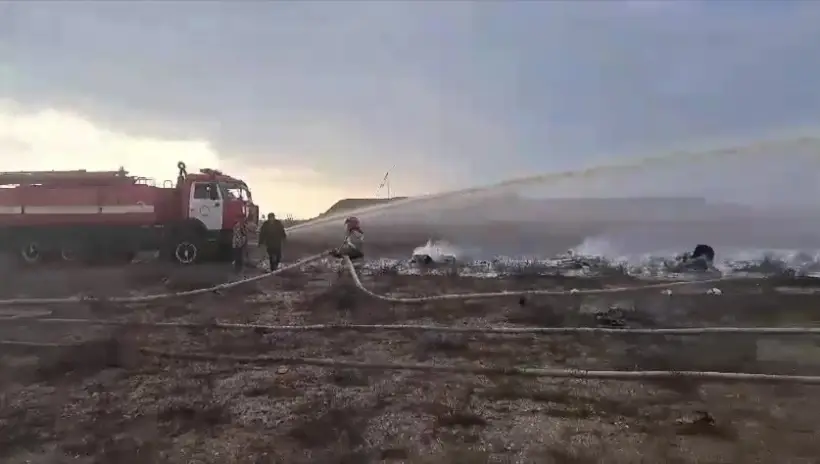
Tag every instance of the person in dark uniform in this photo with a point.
(272, 236)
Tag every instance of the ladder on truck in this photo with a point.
(75, 177)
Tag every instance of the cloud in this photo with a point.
(450, 93)
(51, 139)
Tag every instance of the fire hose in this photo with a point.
(773, 331)
(474, 296)
(554, 373)
(158, 296)
(351, 269)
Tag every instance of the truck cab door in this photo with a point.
(206, 204)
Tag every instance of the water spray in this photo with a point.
(781, 146)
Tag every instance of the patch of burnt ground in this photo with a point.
(103, 400)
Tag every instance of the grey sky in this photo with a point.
(451, 93)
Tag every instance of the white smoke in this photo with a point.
(438, 251)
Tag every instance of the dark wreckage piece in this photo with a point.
(702, 258)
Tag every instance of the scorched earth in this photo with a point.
(79, 392)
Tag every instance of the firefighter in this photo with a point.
(272, 235)
(353, 248)
(353, 245)
(240, 243)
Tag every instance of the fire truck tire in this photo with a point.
(186, 251)
(30, 253)
(69, 253)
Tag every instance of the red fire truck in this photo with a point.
(92, 216)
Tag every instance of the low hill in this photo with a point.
(349, 204)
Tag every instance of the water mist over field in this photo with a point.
(754, 196)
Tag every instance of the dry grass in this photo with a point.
(103, 402)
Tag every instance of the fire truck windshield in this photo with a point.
(234, 191)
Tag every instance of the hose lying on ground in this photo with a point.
(159, 296)
(772, 331)
(473, 296)
(505, 371)
(555, 373)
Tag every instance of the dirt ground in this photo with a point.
(101, 399)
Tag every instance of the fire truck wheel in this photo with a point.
(30, 252)
(68, 253)
(186, 252)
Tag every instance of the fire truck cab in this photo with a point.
(210, 203)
